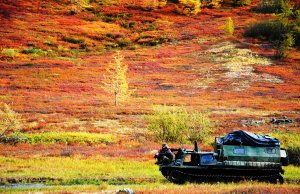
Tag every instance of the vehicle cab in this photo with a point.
(194, 158)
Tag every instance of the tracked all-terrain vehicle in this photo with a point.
(237, 156)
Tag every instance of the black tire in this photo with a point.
(276, 179)
(164, 172)
(280, 179)
(175, 176)
(285, 161)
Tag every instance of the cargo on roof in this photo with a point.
(239, 137)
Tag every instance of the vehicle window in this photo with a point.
(239, 151)
(207, 159)
(283, 153)
(271, 150)
(188, 158)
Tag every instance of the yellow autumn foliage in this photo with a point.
(116, 80)
(188, 7)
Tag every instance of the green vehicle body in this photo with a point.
(226, 163)
(251, 154)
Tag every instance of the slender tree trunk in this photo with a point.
(3, 133)
(116, 98)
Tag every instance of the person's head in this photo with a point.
(164, 146)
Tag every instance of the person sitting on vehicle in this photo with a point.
(179, 153)
(165, 155)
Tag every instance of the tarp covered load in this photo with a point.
(239, 137)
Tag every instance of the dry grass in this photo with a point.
(244, 187)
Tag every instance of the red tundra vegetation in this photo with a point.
(53, 63)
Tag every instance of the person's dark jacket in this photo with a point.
(167, 152)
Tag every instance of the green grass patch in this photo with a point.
(10, 52)
(111, 173)
(64, 137)
(79, 170)
(292, 173)
(54, 189)
(35, 51)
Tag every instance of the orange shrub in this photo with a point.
(188, 7)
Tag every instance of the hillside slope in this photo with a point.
(53, 65)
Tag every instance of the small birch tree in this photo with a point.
(229, 27)
(9, 120)
(116, 80)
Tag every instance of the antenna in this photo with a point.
(196, 148)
